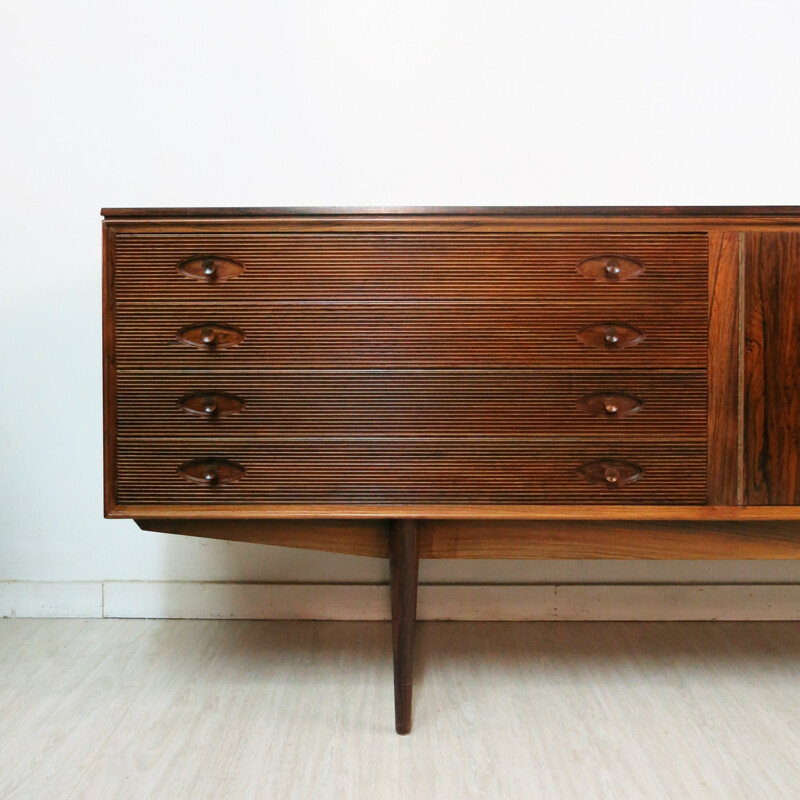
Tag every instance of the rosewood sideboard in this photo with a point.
(457, 383)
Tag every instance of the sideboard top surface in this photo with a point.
(733, 213)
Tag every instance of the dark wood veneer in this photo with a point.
(772, 369)
(457, 382)
(725, 262)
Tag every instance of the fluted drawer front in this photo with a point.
(396, 335)
(406, 471)
(374, 266)
(620, 405)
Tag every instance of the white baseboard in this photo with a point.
(51, 599)
(197, 600)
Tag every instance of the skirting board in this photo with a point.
(196, 600)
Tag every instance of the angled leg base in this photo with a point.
(404, 568)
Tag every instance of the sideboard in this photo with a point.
(491, 382)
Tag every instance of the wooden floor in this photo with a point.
(219, 709)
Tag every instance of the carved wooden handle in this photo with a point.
(609, 404)
(211, 471)
(612, 473)
(611, 336)
(210, 268)
(210, 336)
(212, 404)
(610, 268)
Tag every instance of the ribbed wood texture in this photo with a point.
(416, 266)
(415, 403)
(439, 366)
(410, 471)
(395, 335)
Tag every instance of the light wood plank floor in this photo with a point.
(222, 709)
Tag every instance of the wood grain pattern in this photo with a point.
(351, 537)
(723, 364)
(633, 539)
(514, 539)
(407, 335)
(417, 403)
(407, 471)
(403, 266)
(772, 368)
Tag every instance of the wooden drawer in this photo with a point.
(236, 265)
(424, 335)
(406, 471)
(622, 405)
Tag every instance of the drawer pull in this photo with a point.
(210, 336)
(613, 269)
(611, 473)
(212, 404)
(610, 268)
(211, 471)
(611, 336)
(210, 268)
(609, 404)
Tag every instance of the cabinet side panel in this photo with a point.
(772, 368)
(723, 382)
(109, 373)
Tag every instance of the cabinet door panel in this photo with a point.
(772, 368)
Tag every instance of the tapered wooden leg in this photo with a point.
(404, 569)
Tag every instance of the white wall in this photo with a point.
(299, 103)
